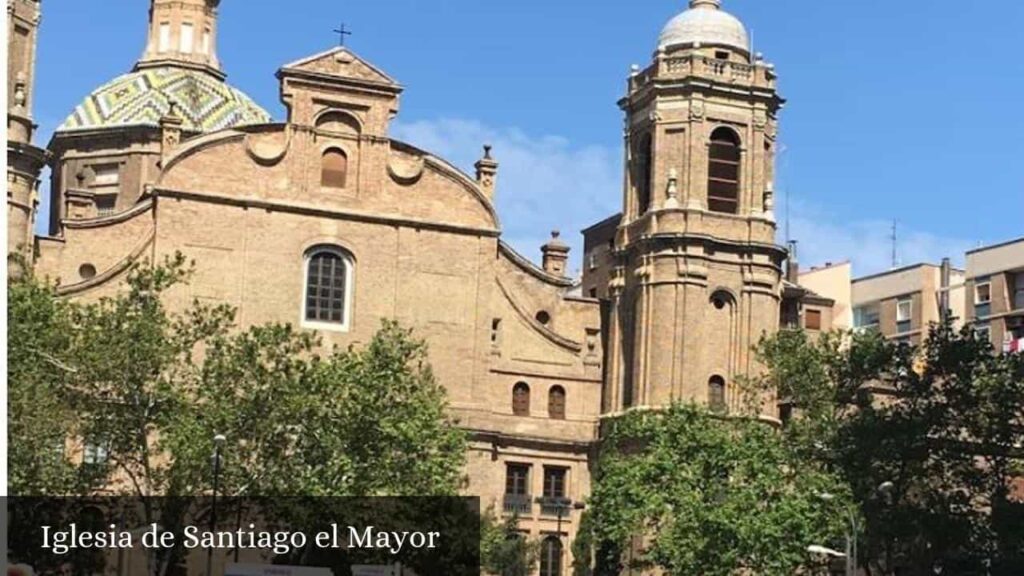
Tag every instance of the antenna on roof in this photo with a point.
(895, 257)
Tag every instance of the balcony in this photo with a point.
(520, 504)
(553, 506)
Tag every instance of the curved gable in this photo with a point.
(278, 167)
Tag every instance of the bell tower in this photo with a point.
(182, 33)
(24, 161)
(697, 272)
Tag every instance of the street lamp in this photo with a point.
(218, 443)
(851, 537)
(885, 489)
(823, 551)
(561, 506)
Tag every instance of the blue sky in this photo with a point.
(897, 110)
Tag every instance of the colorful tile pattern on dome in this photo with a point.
(141, 98)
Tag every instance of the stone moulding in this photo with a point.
(318, 211)
(268, 147)
(549, 334)
(103, 221)
(110, 273)
(405, 171)
(531, 268)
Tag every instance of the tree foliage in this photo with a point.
(38, 366)
(504, 550)
(942, 423)
(152, 387)
(692, 493)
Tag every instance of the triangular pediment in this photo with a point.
(341, 63)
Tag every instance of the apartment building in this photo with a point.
(901, 303)
(995, 294)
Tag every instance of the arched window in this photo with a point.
(551, 557)
(724, 172)
(333, 168)
(521, 399)
(716, 394)
(644, 164)
(328, 287)
(556, 403)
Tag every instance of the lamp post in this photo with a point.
(851, 537)
(818, 550)
(218, 442)
(885, 489)
(561, 506)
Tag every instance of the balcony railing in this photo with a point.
(553, 506)
(517, 504)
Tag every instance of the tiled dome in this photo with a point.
(705, 23)
(143, 97)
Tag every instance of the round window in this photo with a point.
(543, 317)
(87, 271)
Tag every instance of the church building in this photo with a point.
(323, 220)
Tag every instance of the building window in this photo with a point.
(983, 332)
(716, 394)
(334, 169)
(95, 453)
(517, 489)
(205, 46)
(556, 403)
(87, 271)
(554, 482)
(1018, 291)
(106, 204)
(517, 479)
(328, 288)
(645, 167)
(106, 176)
(496, 332)
(543, 317)
(521, 399)
(164, 42)
(812, 319)
(724, 172)
(983, 293)
(551, 557)
(866, 316)
(904, 310)
(187, 39)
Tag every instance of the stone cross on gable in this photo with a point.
(342, 32)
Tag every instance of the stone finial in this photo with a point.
(487, 172)
(769, 202)
(555, 254)
(673, 189)
(170, 131)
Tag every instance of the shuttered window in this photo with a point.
(521, 399)
(716, 394)
(334, 169)
(724, 172)
(556, 403)
(812, 320)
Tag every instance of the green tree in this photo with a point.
(692, 493)
(504, 550)
(153, 387)
(940, 425)
(38, 369)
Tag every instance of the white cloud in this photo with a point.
(544, 182)
(824, 237)
(547, 182)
